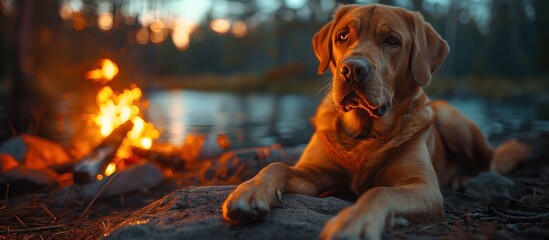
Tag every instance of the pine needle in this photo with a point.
(93, 200)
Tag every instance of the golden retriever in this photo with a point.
(377, 134)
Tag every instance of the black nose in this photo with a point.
(355, 68)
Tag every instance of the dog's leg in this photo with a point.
(312, 174)
(408, 188)
(253, 198)
(508, 155)
(464, 139)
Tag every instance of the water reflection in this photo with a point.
(265, 119)
(252, 119)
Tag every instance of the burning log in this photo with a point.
(87, 169)
(172, 161)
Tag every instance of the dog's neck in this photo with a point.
(359, 124)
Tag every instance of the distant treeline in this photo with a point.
(512, 40)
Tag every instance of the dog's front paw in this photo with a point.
(249, 202)
(354, 223)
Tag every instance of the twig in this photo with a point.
(25, 226)
(453, 208)
(93, 200)
(526, 204)
(520, 213)
(7, 194)
(11, 211)
(49, 212)
(35, 229)
(512, 218)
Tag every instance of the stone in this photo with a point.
(195, 213)
(7, 162)
(35, 152)
(15, 147)
(245, 163)
(140, 176)
(489, 185)
(23, 180)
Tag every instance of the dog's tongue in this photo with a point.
(380, 110)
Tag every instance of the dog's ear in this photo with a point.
(322, 47)
(428, 51)
(322, 40)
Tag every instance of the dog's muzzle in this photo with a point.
(355, 69)
(352, 101)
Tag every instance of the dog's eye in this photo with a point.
(392, 41)
(343, 36)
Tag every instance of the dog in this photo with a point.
(377, 134)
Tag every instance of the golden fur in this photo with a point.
(379, 137)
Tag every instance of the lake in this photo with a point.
(263, 118)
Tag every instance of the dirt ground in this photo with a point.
(63, 214)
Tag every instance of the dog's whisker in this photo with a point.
(326, 89)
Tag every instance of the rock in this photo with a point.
(22, 180)
(140, 176)
(489, 185)
(7, 162)
(195, 213)
(245, 163)
(35, 152)
(14, 147)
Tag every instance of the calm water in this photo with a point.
(256, 119)
(264, 119)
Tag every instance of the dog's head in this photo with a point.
(377, 54)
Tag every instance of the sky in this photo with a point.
(193, 11)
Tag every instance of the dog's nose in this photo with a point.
(355, 68)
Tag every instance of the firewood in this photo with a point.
(87, 169)
(172, 161)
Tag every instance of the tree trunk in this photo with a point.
(22, 89)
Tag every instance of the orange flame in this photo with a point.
(118, 108)
(104, 74)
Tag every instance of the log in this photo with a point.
(170, 160)
(87, 169)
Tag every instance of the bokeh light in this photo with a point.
(220, 25)
(78, 23)
(181, 34)
(239, 29)
(156, 26)
(142, 36)
(157, 37)
(105, 21)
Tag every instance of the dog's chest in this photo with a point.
(354, 154)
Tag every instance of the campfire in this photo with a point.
(120, 123)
